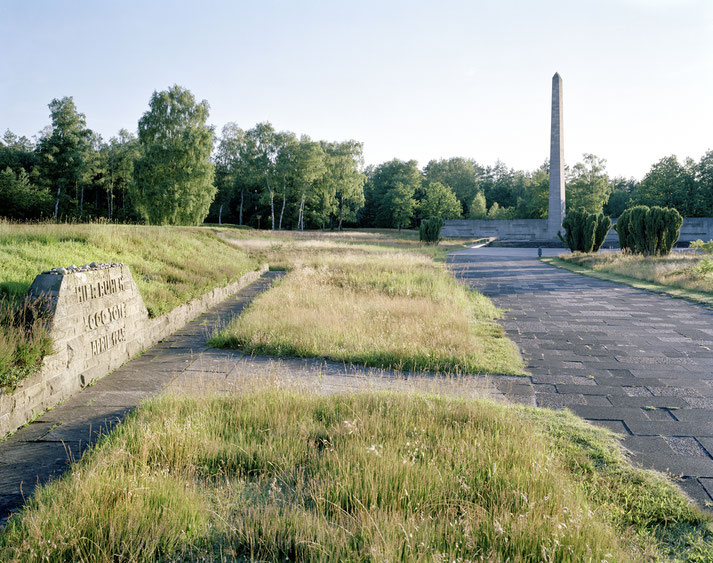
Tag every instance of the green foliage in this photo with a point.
(601, 232)
(620, 198)
(706, 247)
(584, 231)
(20, 199)
(174, 174)
(64, 156)
(588, 185)
(672, 184)
(651, 231)
(478, 209)
(390, 194)
(579, 228)
(497, 212)
(460, 174)
(430, 230)
(440, 201)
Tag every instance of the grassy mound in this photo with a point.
(277, 475)
(171, 265)
(375, 301)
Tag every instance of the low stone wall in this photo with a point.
(504, 229)
(98, 322)
(693, 228)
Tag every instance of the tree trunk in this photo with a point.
(81, 203)
(56, 205)
(341, 211)
(242, 194)
(272, 200)
(301, 220)
(220, 215)
(282, 211)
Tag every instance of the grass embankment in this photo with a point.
(376, 299)
(171, 265)
(276, 475)
(687, 276)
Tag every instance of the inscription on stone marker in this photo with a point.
(99, 289)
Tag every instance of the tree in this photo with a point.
(174, 175)
(671, 184)
(534, 204)
(229, 168)
(704, 180)
(460, 174)
(20, 199)
(401, 204)
(588, 185)
(308, 168)
(478, 208)
(261, 152)
(64, 153)
(620, 197)
(441, 202)
(343, 163)
(120, 154)
(379, 202)
(285, 168)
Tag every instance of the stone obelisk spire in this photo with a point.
(557, 197)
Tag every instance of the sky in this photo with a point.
(411, 80)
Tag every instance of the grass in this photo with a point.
(279, 475)
(171, 265)
(377, 299)
(679, 275)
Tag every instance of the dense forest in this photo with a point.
(177, 170)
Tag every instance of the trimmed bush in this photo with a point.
(584, 231)
(651, 231)
(430, 230)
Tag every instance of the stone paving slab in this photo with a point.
(636, 362)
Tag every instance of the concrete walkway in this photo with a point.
(636, 362)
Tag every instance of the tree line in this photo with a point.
(176, 170)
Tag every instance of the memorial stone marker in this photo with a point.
(95, 310)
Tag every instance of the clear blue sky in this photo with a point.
(410, 79)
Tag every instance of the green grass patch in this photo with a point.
(171, 265)
(370, 299)
(675, 276)
(278, 475)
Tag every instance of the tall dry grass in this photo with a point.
(279, 475)
(678, 270)
(382, 305)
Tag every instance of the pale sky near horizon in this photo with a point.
(411, 80)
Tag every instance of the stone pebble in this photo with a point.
(85, 268)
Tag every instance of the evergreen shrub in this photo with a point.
(584, 231)
(430, 230)
(651, 231)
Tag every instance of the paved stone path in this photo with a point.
(182, 363)
(636, 362)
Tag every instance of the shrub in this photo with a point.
(584, 231)
(649, 230)
(705, 247)
(430, 230)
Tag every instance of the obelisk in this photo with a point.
(557, 197)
